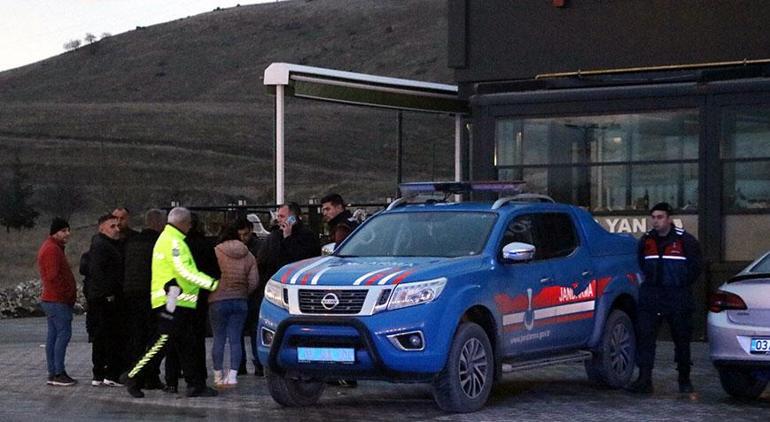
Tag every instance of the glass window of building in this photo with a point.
(745, 152)
(614, 162)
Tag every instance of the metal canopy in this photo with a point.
(357, 89)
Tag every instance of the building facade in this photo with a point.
(618, 105)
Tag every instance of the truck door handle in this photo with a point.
(585, 273)
(545, 280)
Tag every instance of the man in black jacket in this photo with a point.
(670, 259)
(105, 278)
(291, 241)
(339, 220)
(139, 318)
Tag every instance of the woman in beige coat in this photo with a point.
(228, 303)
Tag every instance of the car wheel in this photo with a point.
(291, 392)
(613, 362)
(466, 380)
(740, 383)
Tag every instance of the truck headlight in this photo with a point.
(275, 295)
(416, 293)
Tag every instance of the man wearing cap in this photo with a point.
(670, 259)
(57, 299)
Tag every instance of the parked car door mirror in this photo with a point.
(518, 252)
(328, 249)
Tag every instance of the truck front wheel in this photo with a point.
(466, 380)
(292, 392)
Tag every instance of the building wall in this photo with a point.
(494, 40)
(616, 144)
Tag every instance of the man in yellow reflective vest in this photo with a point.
(174, 294)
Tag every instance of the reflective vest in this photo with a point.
(172, 260)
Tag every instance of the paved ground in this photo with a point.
(559, 393)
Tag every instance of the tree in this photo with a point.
(63, 199)
(106, 35)
(15, 210)
(89, 38)
(71, 45)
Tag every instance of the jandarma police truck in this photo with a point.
(455, 295)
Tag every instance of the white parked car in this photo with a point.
(739, 330)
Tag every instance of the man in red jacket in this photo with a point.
(57, 299)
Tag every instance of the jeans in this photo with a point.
(59, 316)
(227, 320)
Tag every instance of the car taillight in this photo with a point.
(721, 300)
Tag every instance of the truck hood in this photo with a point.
(343, 271)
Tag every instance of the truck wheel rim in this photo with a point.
(620, 349)
(473, 368)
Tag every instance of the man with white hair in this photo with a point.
(176, 281)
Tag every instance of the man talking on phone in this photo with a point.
(291, 241)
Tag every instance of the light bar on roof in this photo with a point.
(462, 187)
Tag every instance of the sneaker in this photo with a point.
(63, 380)
(50, 380)
(347, 383)
(96, 383)
(171, 389)
(204, 391)
(111, 383)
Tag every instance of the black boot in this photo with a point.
(685, 385)
(201, 391)
(643, 384)
(132, 386)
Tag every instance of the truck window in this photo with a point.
(553, 234)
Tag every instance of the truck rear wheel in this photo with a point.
(466, 380)
(613, 362)
(291, 392)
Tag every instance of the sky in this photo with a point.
(33, 30)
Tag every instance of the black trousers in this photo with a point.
(680, 324)
(108, 353)
(140, 327)
(177, 337)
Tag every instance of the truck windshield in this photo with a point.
(430, 234)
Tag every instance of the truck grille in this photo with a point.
(348, 301)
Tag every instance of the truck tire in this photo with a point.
(290, 392)
(466, 380)
(613, 362)
(740, 383)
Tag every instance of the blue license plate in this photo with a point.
(760, 345)
(326, 354)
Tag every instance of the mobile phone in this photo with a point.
(291, 220)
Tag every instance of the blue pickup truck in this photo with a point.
(456, 295)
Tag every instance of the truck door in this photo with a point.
(521, 285)
(571, 293)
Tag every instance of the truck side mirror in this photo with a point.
(518, 252)
(328, 249)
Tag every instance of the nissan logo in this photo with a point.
(330, 301)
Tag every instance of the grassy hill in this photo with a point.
(177, 111)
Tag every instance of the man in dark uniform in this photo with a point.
(670, 259)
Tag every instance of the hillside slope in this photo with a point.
(158, 107)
